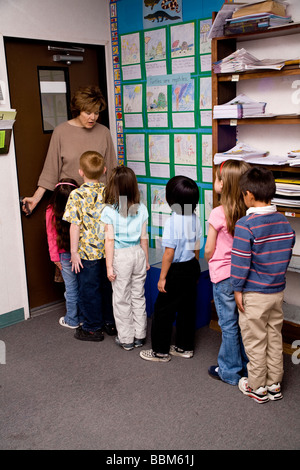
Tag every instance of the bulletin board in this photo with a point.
(164, 111)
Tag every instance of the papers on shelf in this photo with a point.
(240, 107)
(244, 152)
(294, 158)
(241, 60)
(286, 201)
(287, 192)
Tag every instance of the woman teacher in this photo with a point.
(70, 140)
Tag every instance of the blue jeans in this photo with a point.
(95, 294)
(232, 359)
(73, 316)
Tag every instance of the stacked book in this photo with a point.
(243, 151)
(240, 107)
(255, 22)
(241, 60)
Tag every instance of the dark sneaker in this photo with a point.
(139, 342)
(126, 346)
(274, 392)
(110, 329)
(260, 395)
(175, 351)
(213, 372)
(150, 355)
(85, 335)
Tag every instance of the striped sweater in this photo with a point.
(261, 252)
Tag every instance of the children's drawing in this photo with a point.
(132, 98)
(159, 148)
(158, 199)
(130, 49)
(135, 147)
(143, 193)
(182, 40)
(205, 42)
(155, 44)
(183, 96)
(157, 98)
(206, 150)
(205, 93)
(185, 149)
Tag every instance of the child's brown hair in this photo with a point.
(122, 191)
(229, 172)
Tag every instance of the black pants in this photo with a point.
(180, 298)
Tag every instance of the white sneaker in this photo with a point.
(150, 355)
(260, 395)
(63, 323)
(274, 392)
(175, 351)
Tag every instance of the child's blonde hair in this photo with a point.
(229, 172)
(92, 164)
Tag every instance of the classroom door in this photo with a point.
(24, 57)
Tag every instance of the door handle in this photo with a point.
(26, 207)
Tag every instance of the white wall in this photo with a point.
(66, 21)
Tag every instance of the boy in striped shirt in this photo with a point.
(262, 249)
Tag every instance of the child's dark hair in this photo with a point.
(58, 203)
(122, 191)
(260, 182)
(182, 195)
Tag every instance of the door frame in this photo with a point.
(13, 216)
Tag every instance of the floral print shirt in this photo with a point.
(84, 208)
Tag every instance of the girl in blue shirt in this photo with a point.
(126, 251)
(179, 275)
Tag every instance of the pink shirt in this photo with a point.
(52, 236)
(220, 263)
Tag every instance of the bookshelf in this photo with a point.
(224, 131)
(224, 89)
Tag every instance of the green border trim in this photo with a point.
(11, 318)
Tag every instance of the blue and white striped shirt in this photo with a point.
(262, 249)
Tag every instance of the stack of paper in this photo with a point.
(244, 152)
(240, 107)
(294, 158)
(287, 192)
(241, 60)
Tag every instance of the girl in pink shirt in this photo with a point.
(232, 359)
(58, 235)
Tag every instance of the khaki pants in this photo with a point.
(261, 325)
(129, 301)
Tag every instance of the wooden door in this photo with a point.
(31, 144)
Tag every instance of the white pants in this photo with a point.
(129, 301)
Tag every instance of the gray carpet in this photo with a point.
(60, 393)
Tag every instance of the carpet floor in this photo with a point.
(58, 393)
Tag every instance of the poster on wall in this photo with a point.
(158, 11)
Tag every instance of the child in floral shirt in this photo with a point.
(83, 211)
